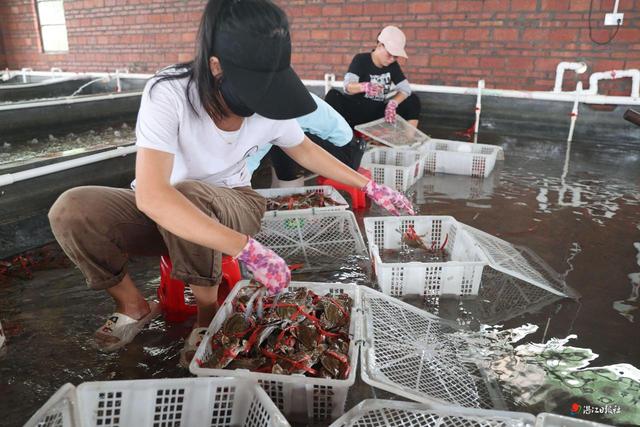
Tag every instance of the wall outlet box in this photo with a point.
(613, 19)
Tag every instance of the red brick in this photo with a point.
(535, 34)
(420, 7)
(505, 34)
(445, 6)
(448, 34)
(520, 63)
(353, 9)
(562, 35)
(546, 64)
(552, 5)
(579, 5)
(476, 34)
(319, 35)
(496, 5)
(526, 5)
(428, 34)
(489, 62)
(331, 11)
(469, 6)
(441, 61)
(312, 10)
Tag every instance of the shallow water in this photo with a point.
(66, 144)
(581, 216)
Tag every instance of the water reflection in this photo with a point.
(628, 307)
(552, 375)
(578, 222)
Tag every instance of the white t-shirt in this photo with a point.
(166, 122)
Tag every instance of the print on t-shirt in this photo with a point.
(383, 80)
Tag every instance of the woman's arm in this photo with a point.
(166, 206)
(314, 158)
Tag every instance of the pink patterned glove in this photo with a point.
(267, 267)
(390, 112)
(388, 198)
(371, 89)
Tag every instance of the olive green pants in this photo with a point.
(99, 228)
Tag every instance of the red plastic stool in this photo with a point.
(171, 293)
(358, 198)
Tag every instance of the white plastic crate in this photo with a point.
(317, 240)
(519, 262)
(552, 420)
(397, 135)
(397, 168)
(459, 157)
(188, 402)
(297, 396)
(460, 276)
(470, 251)
(417, 355)
(327, 190)
(59, 411)
(391, 413)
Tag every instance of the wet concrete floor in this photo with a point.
(579, 210)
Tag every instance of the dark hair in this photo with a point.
(260, 17)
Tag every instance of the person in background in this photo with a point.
(368, 82)
(325, 127)
(198, 123)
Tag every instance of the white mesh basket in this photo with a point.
(459, 157)
(316, 240)
(59, 411)
(327, 190)
(417, 355)
(189, 402)
(397, 168)
(519, 262)
(398, 135)
(470, 250)
(552, 420)
(391, 413)
(298, 396)
(460, 276)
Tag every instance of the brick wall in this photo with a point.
(509, 43)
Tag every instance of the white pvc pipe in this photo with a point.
(578, 67)
(24, 74)
(478, 108)
(329, 81)
(585, 98)
(574, 112)
(634, 74)
(615, 7)
(10, 178)
(67, 101)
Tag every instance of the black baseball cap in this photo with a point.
(259, 70)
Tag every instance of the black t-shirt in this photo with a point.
(362, 65)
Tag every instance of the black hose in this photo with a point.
(632, 116)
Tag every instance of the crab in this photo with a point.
(300, 201)
(335, 364)
(335, 311)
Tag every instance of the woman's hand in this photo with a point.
(267, 267)
(388, 198)
(371, 89)
(390, 112)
